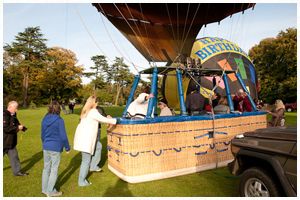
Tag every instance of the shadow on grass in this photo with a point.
(30, 161)
(69, 171)
(119, 190)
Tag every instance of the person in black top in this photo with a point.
(11, 126)
(195, 101)
(71, 107)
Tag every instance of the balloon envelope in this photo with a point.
(214, 53)
(159, 31)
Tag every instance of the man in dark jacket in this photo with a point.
(11, 126)
(195, 101)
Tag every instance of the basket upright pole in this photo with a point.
(180, 92)
(245, 89)
(132, 91)
(227, 89)
(152, 101)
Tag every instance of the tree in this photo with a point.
(100, 65)
(117, 75)
(121, 76)
(275, 60)
(30, 46)
(61, 77)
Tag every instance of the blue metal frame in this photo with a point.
(245, 89)
(132, 91)
(179, 118)
(152, 101)
(228, 94)
(180, 93)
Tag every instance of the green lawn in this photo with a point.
(217, 182)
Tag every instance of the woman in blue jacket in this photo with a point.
(54, 139)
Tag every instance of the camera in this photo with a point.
(24, 129)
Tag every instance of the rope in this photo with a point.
(210, 94)
(179, 52)
(137, 27)
(89, 33)
(109, 35)
(177, 23)
(151, 43)
(134, 32)
(190, 27)
(172, 27)
(185, 22)
(177, 150)
(66, 26)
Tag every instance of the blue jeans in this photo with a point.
(96, 158)
(84, 169)
(51, 163)
(89, 162)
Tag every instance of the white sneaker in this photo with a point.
(55, 194)
(97, 170)
(45, 193)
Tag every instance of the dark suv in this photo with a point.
(266, 159)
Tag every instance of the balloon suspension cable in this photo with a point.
(89, 33)
(182, 45)
(109, 35)
(137, 27)
(230, 34)
(151, 43)
(177, 17)
(171, 24)
(183, 36)
(185, 22)
(212, 110)
(66, 26)
(162, 72)
(242, 30)
(134, 31)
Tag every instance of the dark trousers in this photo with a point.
(14, 159)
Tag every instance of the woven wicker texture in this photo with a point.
(140, 149)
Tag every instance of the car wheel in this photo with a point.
(256, 182)
(289, 110)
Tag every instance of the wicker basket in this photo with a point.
(144, 152)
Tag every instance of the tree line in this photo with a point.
(275, 61)
(34, 73)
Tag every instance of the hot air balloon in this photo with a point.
(215, 53)
(161, 147)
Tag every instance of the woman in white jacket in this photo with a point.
(86, 135)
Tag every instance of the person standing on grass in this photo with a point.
(71, 107)
(54, 139)
(86, 136)
(278, 118)
(11, 126)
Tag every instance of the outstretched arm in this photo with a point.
(97, 116)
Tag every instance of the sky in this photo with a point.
(80, 28)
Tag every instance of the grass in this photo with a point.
(217, 182)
